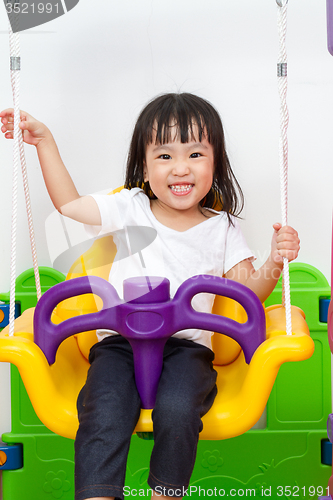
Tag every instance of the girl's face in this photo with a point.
(180, 174)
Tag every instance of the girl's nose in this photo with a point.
(181, 168)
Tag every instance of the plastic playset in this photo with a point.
(290, 450)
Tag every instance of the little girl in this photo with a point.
(179, 183)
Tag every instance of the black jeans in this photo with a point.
(109, 408)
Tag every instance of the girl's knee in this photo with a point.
(182, 412)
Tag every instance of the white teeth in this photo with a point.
(181, 188)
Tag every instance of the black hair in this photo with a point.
(191, 115)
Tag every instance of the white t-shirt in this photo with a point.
(145, 247)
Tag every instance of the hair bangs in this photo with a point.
(176, 120)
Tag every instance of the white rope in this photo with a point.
(18, 157)
(283, 149)
(14, 76)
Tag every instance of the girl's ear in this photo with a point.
(145, 172)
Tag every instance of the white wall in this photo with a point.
(88, 73)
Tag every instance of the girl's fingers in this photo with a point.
(7, 115)
(286, 242)
(287, 238)
(289, 250)
(6, 118)
(8, 111)
(7, 126)
(283, 229)
(287, 233)
(288, 246)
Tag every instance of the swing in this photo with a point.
(244, 380)
(243, 389)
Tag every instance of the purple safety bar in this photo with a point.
(147, 317)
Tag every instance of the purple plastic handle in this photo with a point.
(147, 318)
(249, 335)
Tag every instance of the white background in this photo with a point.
(88, 73)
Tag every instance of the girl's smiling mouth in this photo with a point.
(181, 189)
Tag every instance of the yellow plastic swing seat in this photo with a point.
(243, 390)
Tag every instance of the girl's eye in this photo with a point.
(195, 155)
(165, 157)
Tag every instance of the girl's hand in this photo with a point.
(285, 243)
(33, 131)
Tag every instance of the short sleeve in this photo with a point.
(112, 209)
(236, 249)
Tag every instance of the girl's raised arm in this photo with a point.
(59, 183)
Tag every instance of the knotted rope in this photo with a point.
(283, 148)
(18, 157)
